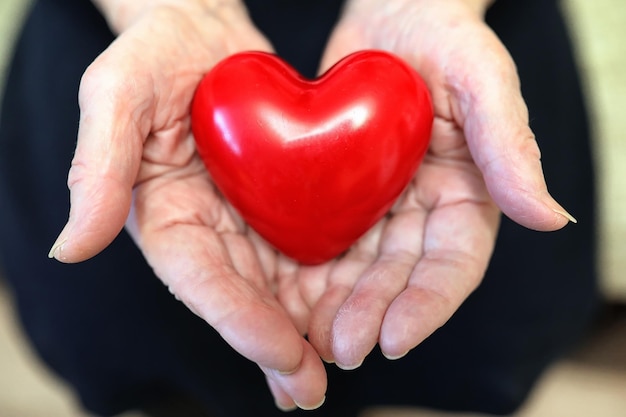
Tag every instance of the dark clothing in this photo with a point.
(112, 330)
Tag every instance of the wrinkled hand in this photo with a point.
(135, 162)
(410, 273)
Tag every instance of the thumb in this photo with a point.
(106, 161)
(489, 105)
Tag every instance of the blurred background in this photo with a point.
(591, 382)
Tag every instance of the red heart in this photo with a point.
(311, 165)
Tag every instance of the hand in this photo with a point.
(135, 162)
(410, 273)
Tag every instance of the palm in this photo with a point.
(409, 274)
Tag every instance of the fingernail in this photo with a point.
(286, 408)
(395, 357)
(328, 361)
(279, 372)
(57, 249)
(314, 407)
(349, 367)
(565, 214)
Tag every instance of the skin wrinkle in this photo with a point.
(148, 209)
(288, 296)
(403, 331)
(223, 323)
(443, 300)
(409, 201)
(99, 81)
(447, 259)
(246, 260)
(401, 246)
(114, 166)
(153, 157)
(425, 200)
(452, 153)
(320, 330)
(90, 231)
(168, 151)
(383, 273)
(504, 160)
(509, 197)
(404, 258)
(429, 199)
(190, 279)
(352, 344)
(194, 219)
(228, 318)
(343, 346)
(170, 174)
(214, 216)
(440, 303)
(486, 160)
(81, 176)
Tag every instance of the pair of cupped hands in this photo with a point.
(136, 166)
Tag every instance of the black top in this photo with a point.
(111, 329)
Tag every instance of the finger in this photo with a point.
(306, 386)
(282, 399)
(196, 267)
(268, 257)
(289, 294)
(341, 280)
(244, 258)
(356, 328)
(322, 317)
(106, 161)
(313, 280)
(458, 243)
(487, 102)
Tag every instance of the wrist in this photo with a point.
(479, 6)
(121, 14)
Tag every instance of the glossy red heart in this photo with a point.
(311, 165)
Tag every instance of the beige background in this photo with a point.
(592, 382)
(600, 30)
